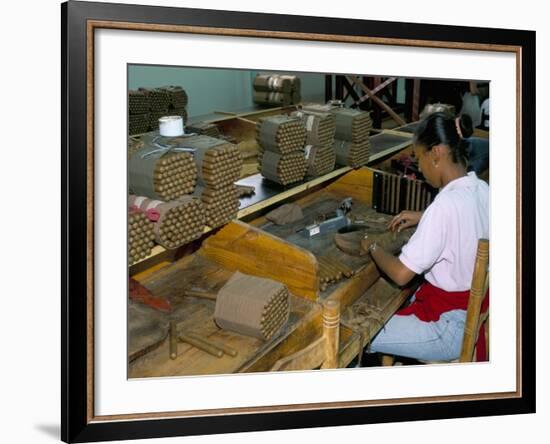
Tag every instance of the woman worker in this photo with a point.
(443, 248)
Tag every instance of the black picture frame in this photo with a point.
(77, 421)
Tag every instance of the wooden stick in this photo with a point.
(377, 100)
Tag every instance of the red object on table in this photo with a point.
(139, 293)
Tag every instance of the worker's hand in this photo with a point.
(405, 219)
(373, 241)
(366, 242)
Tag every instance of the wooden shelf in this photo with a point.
(273, 196)
(383, 144)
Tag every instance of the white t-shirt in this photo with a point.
(444, 244)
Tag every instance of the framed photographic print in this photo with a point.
(275, 221)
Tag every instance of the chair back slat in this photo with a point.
(477, 293)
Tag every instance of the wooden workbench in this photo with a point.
(276, 253)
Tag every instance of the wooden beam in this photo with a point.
(383, 85)
(351, 91)
(377, 100)
(376, 90)
(416, 100)
(328, 87)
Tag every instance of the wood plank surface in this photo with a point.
(357, 184)
(239, 246)
(195, 315)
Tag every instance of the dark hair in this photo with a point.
(441, 129)
(466, 125)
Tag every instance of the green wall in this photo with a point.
(208, 89)
(212, 89)
(216, 89)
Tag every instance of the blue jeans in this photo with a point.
(430, 341)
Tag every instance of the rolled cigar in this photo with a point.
(352, 154)
(272, 98)
(272, 83)
(352, 125)
(347, 272)
(225, 348)
(168, 227)
(323, 269)
(140, 235)
(173, 340)
(138, 123)
(161, 173)
(201, 345)
(332, 268)
(138, 102)
(175, 96)
(201, 294)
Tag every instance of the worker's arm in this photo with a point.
(391, 265)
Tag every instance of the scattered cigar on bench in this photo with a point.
(201, 294)
(347, 271)
(201, 344)
(332, 270)
(173, 340)
(225, 348)
(245, 190)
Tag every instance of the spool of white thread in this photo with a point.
(171, 126)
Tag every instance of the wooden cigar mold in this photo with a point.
(393, 193)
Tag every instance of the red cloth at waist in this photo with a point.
(431, 302)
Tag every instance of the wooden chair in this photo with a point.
(324, 352)
(474, 319)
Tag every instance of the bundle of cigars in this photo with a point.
(281, 156)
